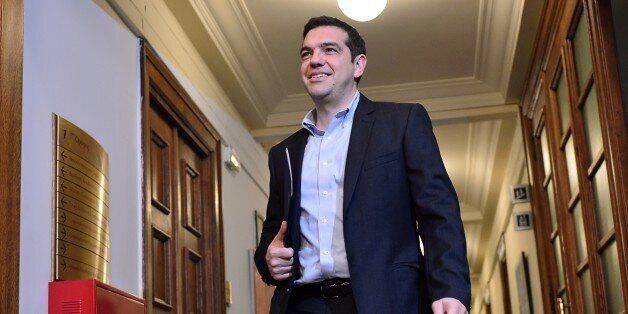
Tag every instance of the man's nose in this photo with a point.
(317, 59)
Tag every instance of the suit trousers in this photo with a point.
(310, 303)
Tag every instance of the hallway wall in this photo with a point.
(79, 64)
(515, 242)
(82, 63)
(243, 192)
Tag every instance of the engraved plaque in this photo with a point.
(81, 217)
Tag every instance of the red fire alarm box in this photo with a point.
(90, 297)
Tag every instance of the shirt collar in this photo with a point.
(345, 116)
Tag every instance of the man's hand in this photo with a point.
(278, 257)
(448, 306)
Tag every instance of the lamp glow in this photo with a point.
(362, 10)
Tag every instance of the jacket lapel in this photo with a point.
(296, 150)
(360, 134)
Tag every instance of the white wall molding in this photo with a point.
(406, 92)
(227, 52)
(259, 48)
(496, 43)
(284, 124)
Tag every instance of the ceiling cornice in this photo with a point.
(258, 47)
(215, 33)
(407, 92)
(481, 151)
(496, 41)
(284, 124)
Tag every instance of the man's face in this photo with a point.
(327, 70)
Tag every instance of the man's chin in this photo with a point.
(318, 94)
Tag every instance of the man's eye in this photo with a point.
(305, 54)
(330, 50)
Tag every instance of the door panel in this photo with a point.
(164, 298)
(584, 235)
(184, 262)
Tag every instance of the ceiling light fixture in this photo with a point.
(362, 10)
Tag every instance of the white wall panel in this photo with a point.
(83, 65)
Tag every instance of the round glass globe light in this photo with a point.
(362, 10)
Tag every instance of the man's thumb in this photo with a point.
(282, 232)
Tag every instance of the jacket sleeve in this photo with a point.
(272, 224)
(437, 211)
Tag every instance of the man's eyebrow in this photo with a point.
(322, 45)
(330, 43)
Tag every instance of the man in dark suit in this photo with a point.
(352, 195)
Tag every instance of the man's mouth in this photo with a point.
(318, 75)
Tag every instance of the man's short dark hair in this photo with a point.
(355, 42)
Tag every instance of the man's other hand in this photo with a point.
(278, 257)
(448, 306)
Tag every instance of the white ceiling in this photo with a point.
(465, 60)
(422, 29)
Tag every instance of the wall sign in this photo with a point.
(81, 213)
(523, 220)
(520, 193)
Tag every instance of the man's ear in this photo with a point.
(359, 64)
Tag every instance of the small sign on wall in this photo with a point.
(523, 220)
(520, 193)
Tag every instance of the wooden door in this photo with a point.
(573, 155)
(11, 57)
(183, 248)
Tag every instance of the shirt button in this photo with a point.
(325, 192)
(331, 137)
(326, 252)
(324, 220)
(325, 163)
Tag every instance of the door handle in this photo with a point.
(563, 306)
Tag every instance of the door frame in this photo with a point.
(555, 26)
(11, 58)
(187, 116)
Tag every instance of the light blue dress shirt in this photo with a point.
(322, 254)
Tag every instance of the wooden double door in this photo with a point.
(183, 232)
(576, 144)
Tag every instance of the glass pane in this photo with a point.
(552, 204)
(587, 293)
(579, 230)
(582, 52)
(559, 262)
(570, 155)
(602, 196)
(591, 118)
(545, 152)
(562, 95)
(610, 264)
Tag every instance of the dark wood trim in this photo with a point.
(585, 191)
(503, 276)
(158, 80)
(562, 192)
(11, 58)
(613, 125)
(540, 213)
(553, 53)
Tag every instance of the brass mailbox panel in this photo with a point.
(81, 190)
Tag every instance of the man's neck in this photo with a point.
(325, 111)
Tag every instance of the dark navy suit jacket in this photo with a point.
(396, 189)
